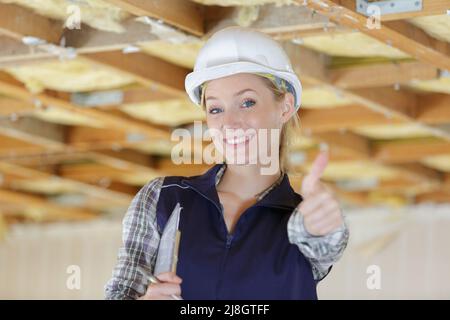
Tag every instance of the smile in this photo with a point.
(237, 140)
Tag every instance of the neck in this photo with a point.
(246, 180)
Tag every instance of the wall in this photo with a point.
(410, 246)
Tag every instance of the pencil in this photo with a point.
(175, 251)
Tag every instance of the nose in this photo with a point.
(231, 120)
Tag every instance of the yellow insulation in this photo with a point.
(441, 85)
(322, 98)
(393, 131)
(352, 44)
(227, 3)
(441, 162)
(436, 26)
(61, 116)
(98, 14)
(356, 170)
(169, 112)
(182, 54)
(69, 76)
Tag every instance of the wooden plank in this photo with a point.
(88, 39)
(433, 108)
(342, 118)
(84, 40)
(119, 120)
(12, 48)
(409, 150)
(130, 94)
(149, 71)
(90, 172)
(15, 172)
(386, 100)
(131, 159)
(53, 138)
(185, 15)
(145, 94)
(17, 22)
(398, 34)
(282, 22)
(429, 8)
(51, 211)
(9, 143)
(9, 107)
(381, 74)
(313, 69)
(433, 197)
(398, 104)
(418, 172)
(307, 64)
(353, 143)
(34, 131)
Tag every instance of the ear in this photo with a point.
(287, 107)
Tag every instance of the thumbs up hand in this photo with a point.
(319, 208)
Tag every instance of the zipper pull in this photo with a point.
(229, 240)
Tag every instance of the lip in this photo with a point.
(238, 141)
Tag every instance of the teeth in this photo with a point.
(237, 140)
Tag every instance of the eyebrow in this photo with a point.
(236, 94)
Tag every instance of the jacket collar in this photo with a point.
(281, 195)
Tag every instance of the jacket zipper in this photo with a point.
(230, 236)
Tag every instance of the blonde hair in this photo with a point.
(279, 89)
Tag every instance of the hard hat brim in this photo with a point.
(195, 79)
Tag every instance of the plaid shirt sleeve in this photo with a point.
(321, 251)
(140, 242)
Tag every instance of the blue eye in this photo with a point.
(248, 103)
(214, 110)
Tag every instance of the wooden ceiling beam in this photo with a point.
(433, 108)
(381, 74)
(186, 15)
(17, 22)
(437, 196)
(12, 88)
(398, 34)
(149, 71)
(51, 211)
(409, 150)
(34, 131)
(429, 8)
(353, 143)
(14, 172)
(393, 103)
(281, 22)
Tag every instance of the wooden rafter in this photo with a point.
(185, 15)
(429, 8)
(409, 150)
(149, 71)
(13, 172)
(17, 22)
(398, 34)
(342, 118)
(393, 103)
(381, 74)
(12, 88)
(50, 210)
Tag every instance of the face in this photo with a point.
(244, 118)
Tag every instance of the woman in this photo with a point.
(245, 233)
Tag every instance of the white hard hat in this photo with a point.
(241, 50)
